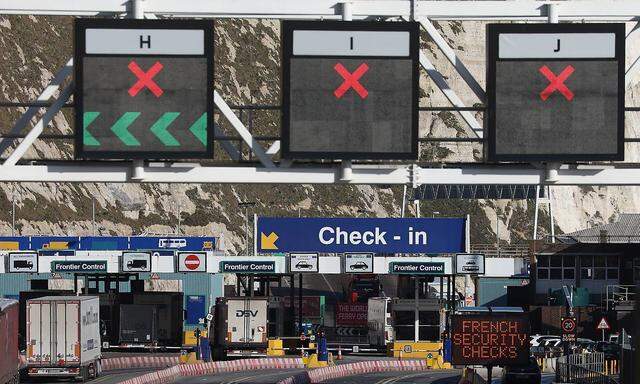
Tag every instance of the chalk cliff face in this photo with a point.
(32, 49)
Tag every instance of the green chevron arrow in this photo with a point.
(159, 128)
(199, 129)
(120, 129)
(87, 137)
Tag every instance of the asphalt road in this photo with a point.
(265, 376)
(433, 377)
(110, 377)
(547, 378)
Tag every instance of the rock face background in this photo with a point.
(32, 49)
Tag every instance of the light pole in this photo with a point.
(13, 213)
(246, 205)
(93, 216)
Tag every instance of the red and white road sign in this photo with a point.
(192, 262)
(603, 324)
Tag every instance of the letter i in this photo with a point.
(410, 235)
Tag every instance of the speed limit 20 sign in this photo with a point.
(568, 325)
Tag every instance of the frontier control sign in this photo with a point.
(556, 92)
(417, 268)
(144, 89)
(496, 339)
(247, 267)
(78, 266)
(340, 235)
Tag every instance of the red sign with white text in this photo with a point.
(496, 339)
(353, 314)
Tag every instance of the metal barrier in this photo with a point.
(588, 368)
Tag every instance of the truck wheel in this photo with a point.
(91, 370)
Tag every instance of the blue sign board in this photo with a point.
(102, 243)
(173, 243)
(196, 309)
(57, 242)
(54, 244)
(15, 242)
(338, 235)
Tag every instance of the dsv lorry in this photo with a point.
(239, 324)
(63, 337)
(9, 357)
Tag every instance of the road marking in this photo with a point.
(255, 376)
(397, 378)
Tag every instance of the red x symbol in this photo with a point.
(145, 79)
(556, 83)
(351, 80)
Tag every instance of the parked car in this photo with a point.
(536, 340)
(529, 373)
(611, 350)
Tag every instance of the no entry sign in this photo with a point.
(144, 89)
(192, 261)
(556, 92)
(350, 90)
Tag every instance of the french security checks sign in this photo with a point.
(338, 235)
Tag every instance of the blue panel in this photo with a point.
(392, 235)
(104, 243)
(42, 242)
(23, 241)
(176, 243)
(196, 307)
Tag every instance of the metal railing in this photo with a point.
(491, 250)
(588, 368)
(615, 294)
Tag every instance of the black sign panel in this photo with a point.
(568, 326)
(350, 90)
(556, 92)
(496, 339)
(144, 89)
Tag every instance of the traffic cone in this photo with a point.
(339, 353)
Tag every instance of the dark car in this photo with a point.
(611, 350)
(529, 373)
(22, 264)
(137, 264)
(359, 265)
(303, 265)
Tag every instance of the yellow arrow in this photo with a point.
(268, 242)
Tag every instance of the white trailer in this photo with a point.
(240, 324)
(63, 337)
(379, 322)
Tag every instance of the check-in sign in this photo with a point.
(23, 262)
(367, 235)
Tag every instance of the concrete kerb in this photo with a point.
(168, 375)
(335, 372)
(114, 363)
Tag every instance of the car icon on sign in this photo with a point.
(359, 265)
(303, 265)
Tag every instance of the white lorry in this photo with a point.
(379, 322)
(63, 337)
(239, 324)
